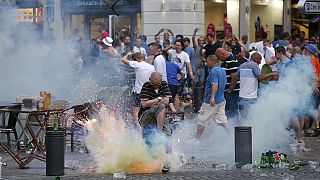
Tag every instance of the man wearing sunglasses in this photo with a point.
(154, 98)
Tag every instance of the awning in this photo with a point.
(28, 3)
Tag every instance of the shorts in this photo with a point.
(216, 113)
(173, 89)
(135, 100)
(148, 120)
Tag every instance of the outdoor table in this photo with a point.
(38, 148)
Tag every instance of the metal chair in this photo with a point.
(10, 128)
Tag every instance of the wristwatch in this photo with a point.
(159, 98)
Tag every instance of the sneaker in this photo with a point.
(166, 167)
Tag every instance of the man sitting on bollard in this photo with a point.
(154, 98)
(213, 108)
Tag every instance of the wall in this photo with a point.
(214, 13)
(181, 16)
(270, 15)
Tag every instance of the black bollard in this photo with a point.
(54, 153)
(197, 98)
(243, 145)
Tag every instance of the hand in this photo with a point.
(191, 76)
(236, 40)
(212, 102)
(129, 53)
(196, 29)
(162, 29)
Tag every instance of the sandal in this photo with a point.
(316, 133)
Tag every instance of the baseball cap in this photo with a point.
(143, 37)
(311, 48)
(108, 41)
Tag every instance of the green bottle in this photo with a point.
(295, 167)
(262, 159)
(55, 124)
(57, 177)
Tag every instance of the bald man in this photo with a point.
(249, 75)
(154, 98)
(230, 64)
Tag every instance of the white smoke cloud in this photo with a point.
(278, 103)
(28, 63)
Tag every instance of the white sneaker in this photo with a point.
(166, 167)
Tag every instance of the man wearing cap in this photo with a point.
(144, 44)
(310, 51)
(108, 52)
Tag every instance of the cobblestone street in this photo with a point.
(78, 166)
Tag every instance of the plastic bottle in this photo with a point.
(119, 175)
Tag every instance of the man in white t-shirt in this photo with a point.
(143, 71)
(181, 58)
(158, 61)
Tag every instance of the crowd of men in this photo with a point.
(225, 72)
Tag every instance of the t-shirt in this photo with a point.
(269, 53)
(281, 65)
(172, 71)
(258, 46)
(217, 75)
(211, 49)
(316, 65)
(248, 73)
(231, 65)
(140, 50)
(179, 58)
(143, 71)
(148, 92)
(160, 65)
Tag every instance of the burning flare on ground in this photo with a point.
(117, 148)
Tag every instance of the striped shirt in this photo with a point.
(148, 92)
(231, 65)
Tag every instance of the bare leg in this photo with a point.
(173, 109)
(200, 130)
(226, 127)
(316, 119)
(306, 124)
(160, 119)
(297, 128)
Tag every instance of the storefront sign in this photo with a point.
(309, 6)
(228, 30)
(211, 29)
(92, 3)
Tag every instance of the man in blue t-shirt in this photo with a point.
(213, 108)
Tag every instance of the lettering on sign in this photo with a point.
(92, 3)
(312, 7)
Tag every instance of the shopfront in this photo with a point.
(88, 16)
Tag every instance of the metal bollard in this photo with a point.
(54, 153)
(243, 145)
